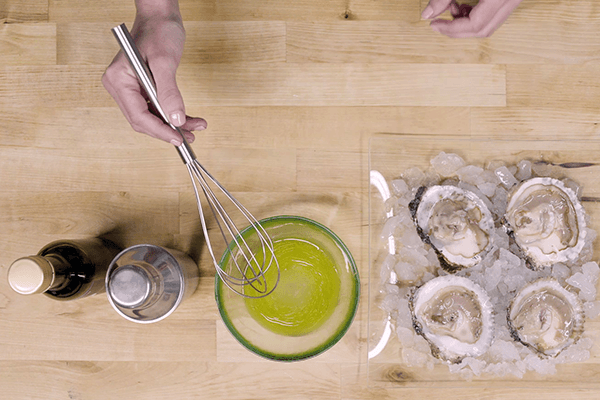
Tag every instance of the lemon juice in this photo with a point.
(307, 292)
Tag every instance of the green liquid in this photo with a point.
(307, 293)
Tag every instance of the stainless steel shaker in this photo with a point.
(146, 283)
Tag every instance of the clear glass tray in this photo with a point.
(390, 155)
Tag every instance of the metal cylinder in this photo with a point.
(146, 283)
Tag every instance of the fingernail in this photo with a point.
(177, 118)
(427, 12)
(176, 142)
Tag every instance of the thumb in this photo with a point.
(169, 97)
(435, 8)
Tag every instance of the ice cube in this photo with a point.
(414, 257)
(587, 290)
(577, 352)
(512, 260)
(387, 266)
(475, 364)
(523, 170)
(400, 187)
(487, 188)
(591, 271)
(492, 276)
(574, 186)
(406, 336)
(506, 177)
(542, 367)
(406, 272)
(592, 309)
(470, 174)
(446, 164)
(502, 350)
(413, 177)
(403, 316)
(560, 271)
(414, 358)
(503, 369)
(500, 201)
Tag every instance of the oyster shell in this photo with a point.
(454, 315)
(546, 221)
(545, 317)
(455, 222)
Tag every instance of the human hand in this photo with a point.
(469, 21)
(159, 36)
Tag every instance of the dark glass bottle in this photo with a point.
(65, 269)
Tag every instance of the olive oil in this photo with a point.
(307, 293)
(64, 270)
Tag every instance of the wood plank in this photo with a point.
(244, 10)
(90, 11)
(27, 43)
(519, 41)
(342, 128)
(541, 123)
(87, 43)
(91, 128)
(58, 170)
(91, 213)
(573, 87)
(181, 380)
(337, 170)
(75, 338)
(23, 11)
(302, 127)
(344, 85)
(61, 86)
(302, 10)
(252, 84)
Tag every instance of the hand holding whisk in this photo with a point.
(251, 258)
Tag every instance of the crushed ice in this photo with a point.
(501, 273)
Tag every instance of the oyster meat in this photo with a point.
(454, 315)
(455, 222)
(547, 221)
(545, 317)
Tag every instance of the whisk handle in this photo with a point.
(145, 77)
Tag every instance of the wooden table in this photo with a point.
(292, 92)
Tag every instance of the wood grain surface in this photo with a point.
(293, 91)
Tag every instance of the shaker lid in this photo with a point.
(129, 286)
(31, 275)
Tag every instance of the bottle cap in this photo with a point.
(129, 286)
(31, 275)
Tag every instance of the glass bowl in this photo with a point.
(390, 155)
(314, 303)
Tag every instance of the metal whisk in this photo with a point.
(245, 268)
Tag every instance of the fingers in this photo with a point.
(461, 11)
(164, 73)
(479, 21)
(194, 124)
(125, 89)
(435, 8)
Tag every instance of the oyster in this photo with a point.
(454, 315)
(546, 221)
(545, 317)
(455, 222)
